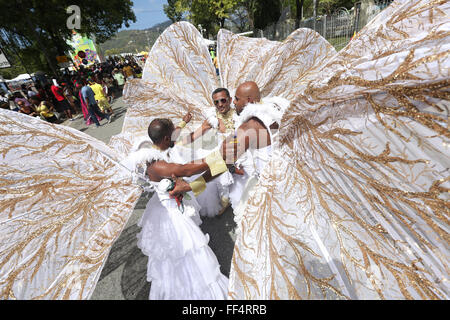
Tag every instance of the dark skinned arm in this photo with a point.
(200, 131)
(176, 133)
(159, 170)
(247, 136)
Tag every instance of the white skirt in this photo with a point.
(209, 200)
(181, 265)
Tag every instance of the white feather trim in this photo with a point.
(142, 156)
(211, 117)
(270, 110)
(136, 162)
(141, 142)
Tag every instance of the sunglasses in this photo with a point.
(216, 102)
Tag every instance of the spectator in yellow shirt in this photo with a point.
(44, 109)
(101, 97)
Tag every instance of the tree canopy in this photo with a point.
(250, 14)
(210, 15)
(42, 25)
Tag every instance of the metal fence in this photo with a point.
(337, 28)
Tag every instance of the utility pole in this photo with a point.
(315, 4)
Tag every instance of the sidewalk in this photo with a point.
(124, 275)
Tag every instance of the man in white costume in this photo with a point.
(221, 119)
(181, 265)
(250, 147)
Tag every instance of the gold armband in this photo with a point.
(216, 163)
(182, 124)
(198, 185)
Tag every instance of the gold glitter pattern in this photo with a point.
(178, 77)
(277, 67)
(227, 119)
(64, 201)
(354, 203)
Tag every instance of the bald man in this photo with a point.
(246, 93)
(257, 125)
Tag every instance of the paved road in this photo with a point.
(124, 274)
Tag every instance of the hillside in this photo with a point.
(132, 41)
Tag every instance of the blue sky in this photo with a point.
(148, 13)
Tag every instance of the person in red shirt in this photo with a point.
(63, 104)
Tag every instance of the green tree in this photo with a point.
(301, 9)
(298, 12)
(261, 13)
(251, 7)
(43, 24)
(211, 15)
(111, 52)
(170, 9)
(266, 13)
(330, 6)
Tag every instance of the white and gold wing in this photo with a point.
(279, 68)
(178, 77)
(355, 201)
(64, 200)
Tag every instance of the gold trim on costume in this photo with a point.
(198, 185)
(216, 163)
(227, 119)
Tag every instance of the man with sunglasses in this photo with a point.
(220, 118)
(250, 146)
(216, 200)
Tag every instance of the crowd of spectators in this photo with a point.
(60, 98)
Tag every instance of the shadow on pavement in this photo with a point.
(134, 285)
(221, 242)
(119, 111)
(142, 202)
(134, 277)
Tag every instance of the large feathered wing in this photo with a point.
(277, 67)
(355, 201)
(64, 199)
(178, 77)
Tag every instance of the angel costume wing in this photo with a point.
(178, 77)
(64, 200)
(355, 201)
(277, 67)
